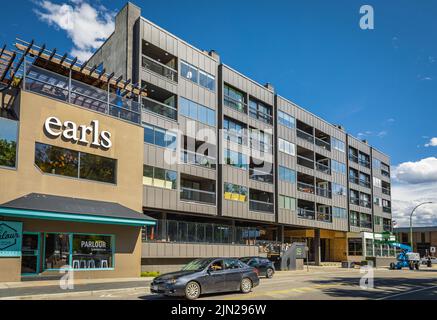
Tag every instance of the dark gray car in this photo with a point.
(203, 276)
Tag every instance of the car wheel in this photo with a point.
(417, 266)
(246, 285)
(411, 266)
(392, 266)
(269, 273)
(192, 290)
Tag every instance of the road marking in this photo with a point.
(407, 292)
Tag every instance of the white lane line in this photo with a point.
(406, 292)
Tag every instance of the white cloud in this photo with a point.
(87, 26)
(432, 142)
(421, 171)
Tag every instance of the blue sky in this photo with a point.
(379, 84)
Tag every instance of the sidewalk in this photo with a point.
(41, 289)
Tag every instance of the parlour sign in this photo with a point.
(10, 238)
(84, 134)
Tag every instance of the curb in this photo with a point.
(72, 294)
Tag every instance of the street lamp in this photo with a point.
(411, 221)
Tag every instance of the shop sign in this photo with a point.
(70, 131)
(11, 234)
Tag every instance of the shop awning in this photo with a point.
(48, 207)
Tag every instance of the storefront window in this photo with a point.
(92, 251)
(355, 247)
(97, 168)
(55, 160)
(8, 142)
(369, 247)
(57, 250)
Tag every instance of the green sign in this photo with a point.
(11, 234)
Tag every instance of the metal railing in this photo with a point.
(305, 187)
(365, 183)
(264, 117)
(324, 217)
(354, 200)
(56, 86)
(323, 144)
(364, 163)
(260, 175)
(386, 209)
(304, 135)
(235, 104)
(323, 168)
(159, 68)
(386, 191)
(353, 179)
(306, 162)
(323, 192)
(366, 224)
(190, 157)
(365, 203)
(255, 205)
(196, 195)
(160, 108)
(353, 157)
(306, 214)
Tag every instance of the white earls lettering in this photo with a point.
(70, 131)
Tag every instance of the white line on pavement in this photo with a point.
(406, 292)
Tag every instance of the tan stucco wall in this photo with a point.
(127, 258)
(127, 148)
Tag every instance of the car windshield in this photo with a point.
(197, 265)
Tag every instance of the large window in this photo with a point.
(260, 140)
(338, 189)
(8, 142)
(235, 159)
(260, 111)
(57, 250)
(65, 162)
(157, 177)
(287, 147)
(338, 145)
(286, 120)
(159, 137)
(338, 167)
(190, 72)
(234, 99)
(197, 112)
(287, 203)
(235, 192)
(339, 213)
(355, 247)
(287, 175)
(233, 130)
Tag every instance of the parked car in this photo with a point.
(264, 266)
(424, 260)
(203, 276)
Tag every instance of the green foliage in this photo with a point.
(150, 274)
(8, 153)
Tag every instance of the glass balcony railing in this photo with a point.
(355, 201)
(354, 223)
(353, 179)
(305, 187)
(305, 136)
(366, 224)
(189, 157)
(324, 217)
(261, 116)
(56, 86)
(196, 195)
(385, 173)
(255, 205)
(364, 163)
(160, 108)
(353, 157)
(386, 191)
(386, 209)
(235, 104)
(365, 183)
(159, 68)
(323, 168)
(306, 214)
(323, 192)
(365, 203)
(260, 175)
(323, 144)
(306, 162)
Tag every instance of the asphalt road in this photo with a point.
(332, 284)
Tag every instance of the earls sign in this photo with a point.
(70, 131)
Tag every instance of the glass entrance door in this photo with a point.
(30, 254)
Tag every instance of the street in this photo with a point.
(328, 283)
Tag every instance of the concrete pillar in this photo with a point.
(316, 245)
(164, 226)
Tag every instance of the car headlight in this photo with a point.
(171, 281)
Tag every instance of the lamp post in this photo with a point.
(411, 222)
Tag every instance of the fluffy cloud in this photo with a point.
(88, 27)
(422, 171)
(432, 143)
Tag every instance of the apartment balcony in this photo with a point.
(387, 228)
(354, 180)
(364, 163)
(305, 157)
(353, 158)
(324, 217)
(305, 187)
(323, 164)
(304, 135)
(195, 195)
(354, 200)
(365, 203)
(305, 162)
(234, 103)
(366, 224)
(364, 183)
(159, 68)
(324, 192)
(306, 214)
(386, 191)
(261, 201)
(159, 61)
(160, 108)
(197, 159)
(322, 140)
(196, 189)
(386, 209)
(261, 175)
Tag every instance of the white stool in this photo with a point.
(76, 264)
(83, 263)
(104, 264)
(91, 264)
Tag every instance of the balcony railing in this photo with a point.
(386, 227)
(324, 217)
(159, 68)
(261, 116)
(324, 192)
(305, 187)
(255, 205)
(235, 136)
(56, 86)
(386, 191)
(386, 209)
(365, 183)
(385, 173)
(353, 157)
(354, 200)
(306, 214)
(355, 222)
(322, 143)
(364, 163)
(160, 108)
(366, 224)
(304, 135)
(261, 176)
(365, 203)
(354, 179)
(235, 104)
(198, 159)
(196, 195)
(306, 162)
(323, 168)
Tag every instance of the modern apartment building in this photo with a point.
(229, 167)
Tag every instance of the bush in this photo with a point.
(149, 274)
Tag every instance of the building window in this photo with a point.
(286, 120)
(233, 130)
(354, 218)
(157, 177)
(339, 213)
(338, 189)
(377, 220)
(234, 99)
(260, 140)
(287, 147)
(8, 142)
(202, 78)
(260, 111)
(338, 167)
(235, 159)
(287, 175)
(65, 162)
(287, 203)
(197, 112)
(338, 145)
(355, 246)
(377, 182)
(159, 137)
(57, 250)
(235, 192)
(377, 201)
